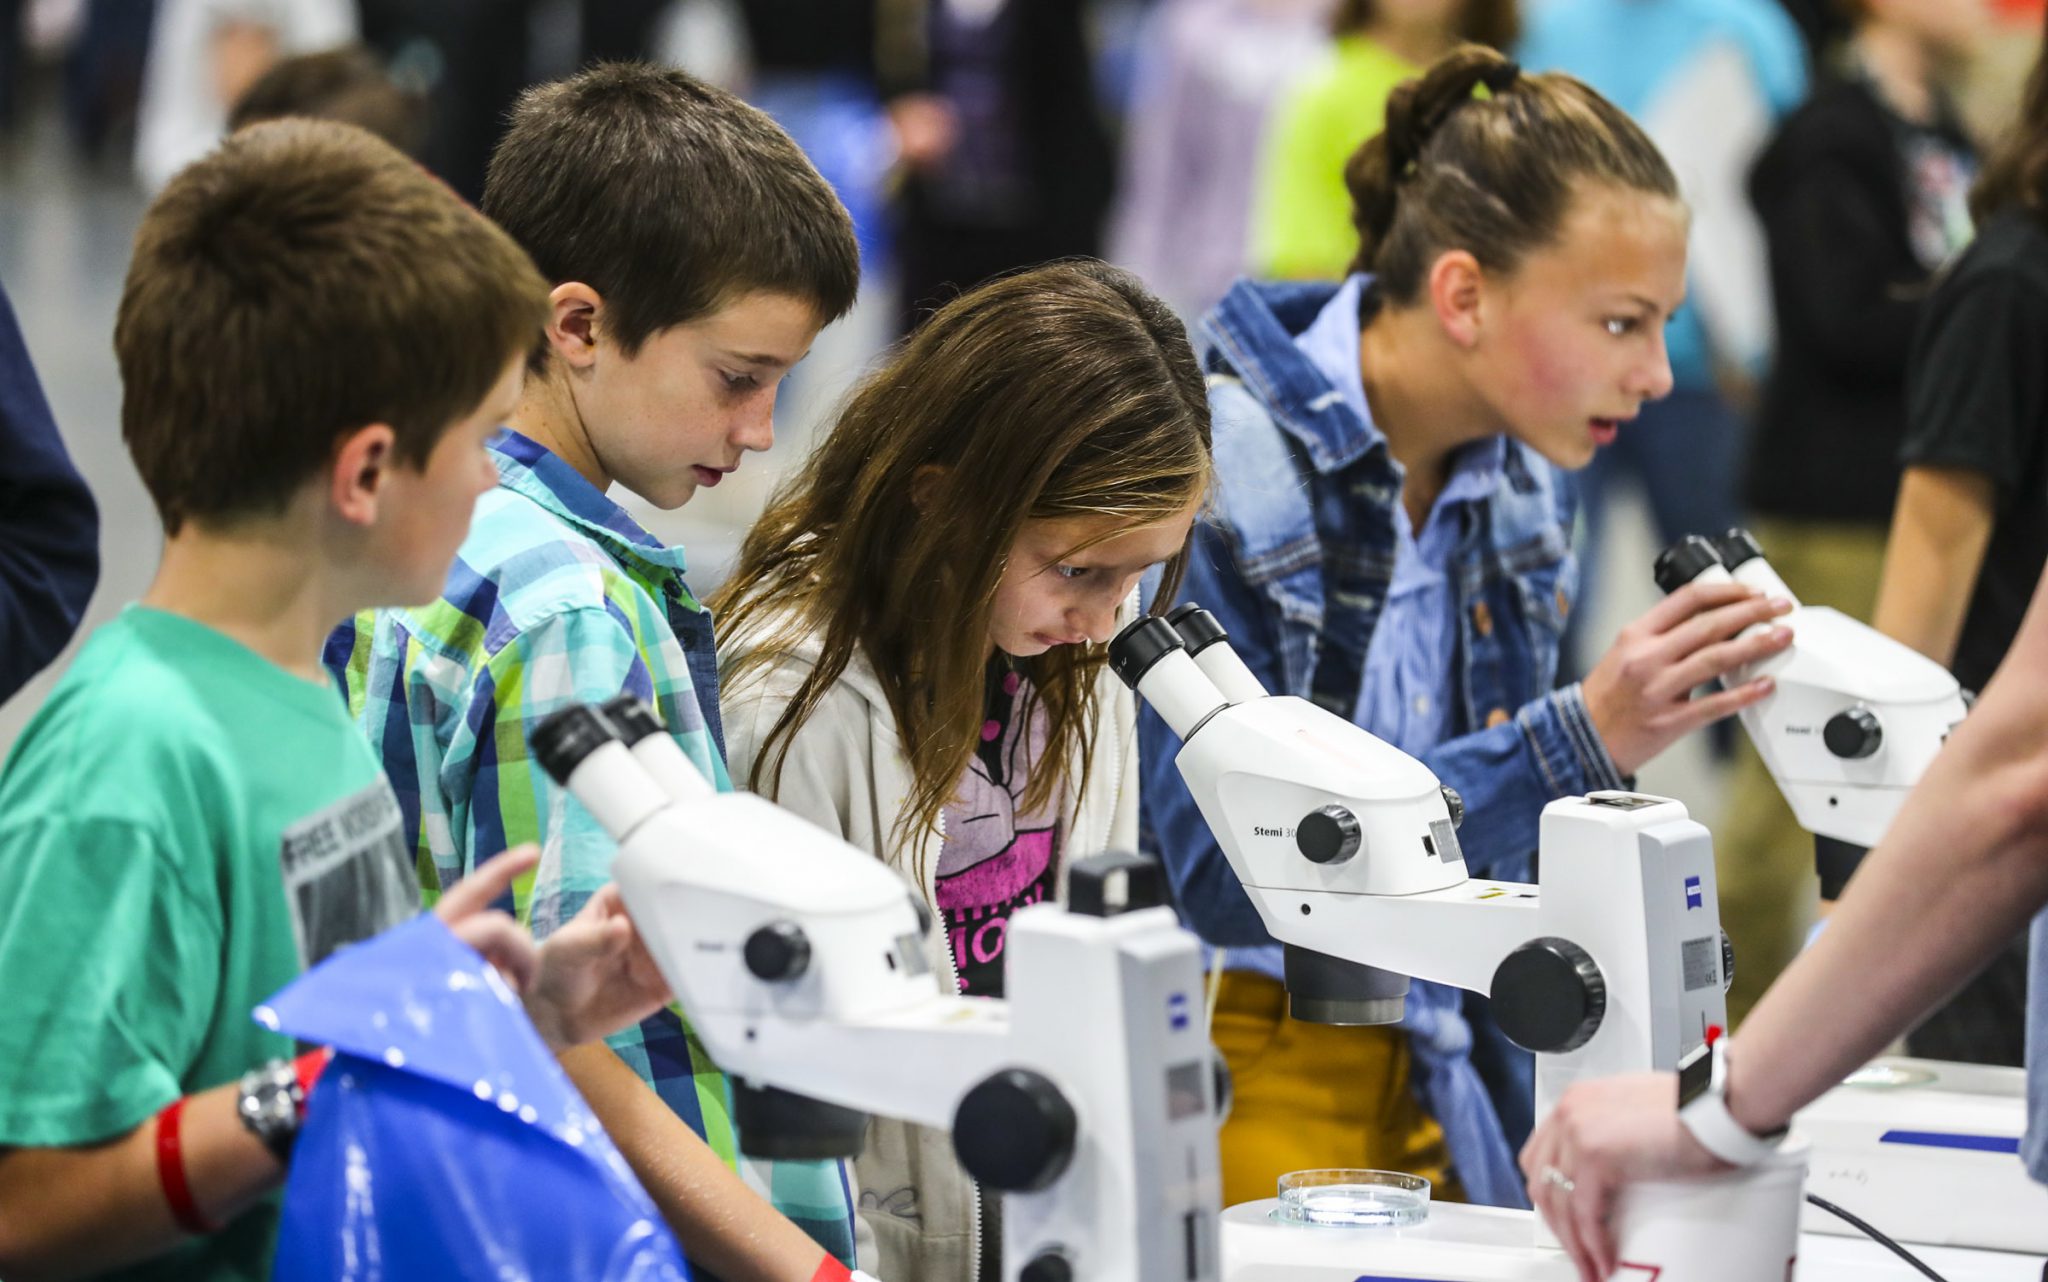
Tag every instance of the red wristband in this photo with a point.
(831, 1270)
(309, 1066)
(170, 1171)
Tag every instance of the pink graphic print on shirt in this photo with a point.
(995, 860)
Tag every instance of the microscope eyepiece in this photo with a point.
(1737, 546)
(1197, 627)
(633, 718)
(564, 739)
(1683, 562)
(1141, 645)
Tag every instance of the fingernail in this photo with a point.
(1781, 634)
(1768, 685)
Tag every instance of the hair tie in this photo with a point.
(1499, 78)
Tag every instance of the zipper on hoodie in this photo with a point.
(978, 1235)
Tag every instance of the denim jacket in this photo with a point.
(1294, 557)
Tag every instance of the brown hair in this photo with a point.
(669, 198)
(302, 281)
(1497, 23)
(1493, 176)
(2016, 174)
(346, 84)
(1067, 391)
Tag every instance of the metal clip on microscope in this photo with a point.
(1922, 1148)
(1089, 1097)
(1348, 849)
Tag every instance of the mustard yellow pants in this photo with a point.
(1313, 1095)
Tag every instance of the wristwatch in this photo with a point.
(1703, 1108)
(270, 1103)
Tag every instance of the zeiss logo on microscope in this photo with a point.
(1693, 897)
(1177, 1011)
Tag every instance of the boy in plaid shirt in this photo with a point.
(693, 255)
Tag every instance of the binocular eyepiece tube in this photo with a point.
(584, 751)
(1734, 556)
(1182, 665)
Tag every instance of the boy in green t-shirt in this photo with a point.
(315, 339)
(692, 254)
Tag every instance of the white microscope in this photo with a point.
(1926, 1149)
(1089, 1096)
(1348, 848)
(1616, 966)
(1856, 717)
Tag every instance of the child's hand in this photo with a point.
(595, 976)
(1640, 693)
(466, 910)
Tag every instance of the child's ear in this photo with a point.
(1456, 288)
(361, 472)
(925, 484)
(571, 331)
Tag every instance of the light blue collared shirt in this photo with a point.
(1405, 697)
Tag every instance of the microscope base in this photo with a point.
(1926, 1153)
(1484, 1244)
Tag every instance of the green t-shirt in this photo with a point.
(184, 827)
(1301, 227)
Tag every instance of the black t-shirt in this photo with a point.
(1977, 398)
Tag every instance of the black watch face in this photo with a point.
(1695, 1074)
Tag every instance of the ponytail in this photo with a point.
(1492, 176)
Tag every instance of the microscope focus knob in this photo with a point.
(1050, 1266)
(1014, 1131)
(1727, 962)
(1549, 995)
(1854, 734)
(1456, 804)
(1328, 836)
(778, 951)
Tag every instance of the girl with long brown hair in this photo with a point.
(914, 637)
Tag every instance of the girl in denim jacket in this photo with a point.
(1391, 537)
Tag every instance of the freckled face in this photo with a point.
(683, 410)
(1572, 342)
(425, 512)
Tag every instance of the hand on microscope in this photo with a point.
(590, 978)
(1640, 694)
(1963, 867)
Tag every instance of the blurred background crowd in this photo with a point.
(1826, 148)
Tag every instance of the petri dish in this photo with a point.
(1346, 1198)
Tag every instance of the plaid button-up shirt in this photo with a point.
(556, 597)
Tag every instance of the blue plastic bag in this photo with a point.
(444, 1142)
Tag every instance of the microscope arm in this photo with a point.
(914, 1065)
(1457, 936)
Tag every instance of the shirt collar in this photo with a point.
(1331, 344)
(530, 469)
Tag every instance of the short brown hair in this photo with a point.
(302, 281)
(346, 84)
(1493, 176)
(669, 198)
